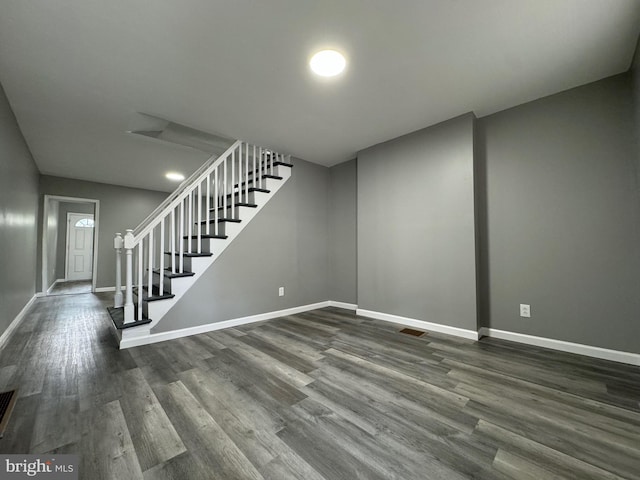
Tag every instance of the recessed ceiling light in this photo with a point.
(176, 177)
(327, 63)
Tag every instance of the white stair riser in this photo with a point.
(209, 245)
(220, 229)
(276, 170)
(238, 198)
(169, 283)
(165, 281)
(236, 212)
(136, 332)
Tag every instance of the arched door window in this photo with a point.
(85, 223)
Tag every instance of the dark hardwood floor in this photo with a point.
(320, 395)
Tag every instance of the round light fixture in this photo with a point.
(176, 177)
(327, 63)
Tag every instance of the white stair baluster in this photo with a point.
(259, 172)
(233, 188)
(173, 240)
(246, 173)
(140, 277)
(161, 255)
(118, 243)
(150, 269)
(200, 218)
(128, 302)
(255, 172)
(224, 188)
(208, 205)
(214, 184)
(189, 220)
(181, 241)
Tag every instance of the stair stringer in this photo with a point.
(179, 286)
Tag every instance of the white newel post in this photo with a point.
(118, 242)
(128, 300)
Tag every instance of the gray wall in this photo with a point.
(120, 208)
(64, 208)
(284, 245)
(416, 241)
(635, 76)
(562, 217)
(342, 232)
(18, 214)
(52, 242)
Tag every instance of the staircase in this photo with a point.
(167, 253)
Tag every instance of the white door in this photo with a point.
(80, 228)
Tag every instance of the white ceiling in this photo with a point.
(77, 71)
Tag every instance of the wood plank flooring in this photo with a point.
(319, 395)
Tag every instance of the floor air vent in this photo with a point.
(411, 331)
(7, 402)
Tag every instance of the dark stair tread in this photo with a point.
(169, 274)
(221, 220)
(155, 294)
(251, 189)
(266, 175)
(263, 171)
(265, 167)
(236, 204)
(117, 317)
(185, 254)
(284, 164)
(205, 236)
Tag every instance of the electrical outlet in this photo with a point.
(525, 310)
(281, 292)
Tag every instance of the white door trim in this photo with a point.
(66, 246)
(45, 214)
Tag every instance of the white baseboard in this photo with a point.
(346, 306)
(578, 348)
(55, 282)
(107, 289)
(16, 321)
(421, 324)
(104, 289)
(209, 327)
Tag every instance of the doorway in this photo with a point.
(69, 245)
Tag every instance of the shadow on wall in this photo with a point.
(482, 234)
